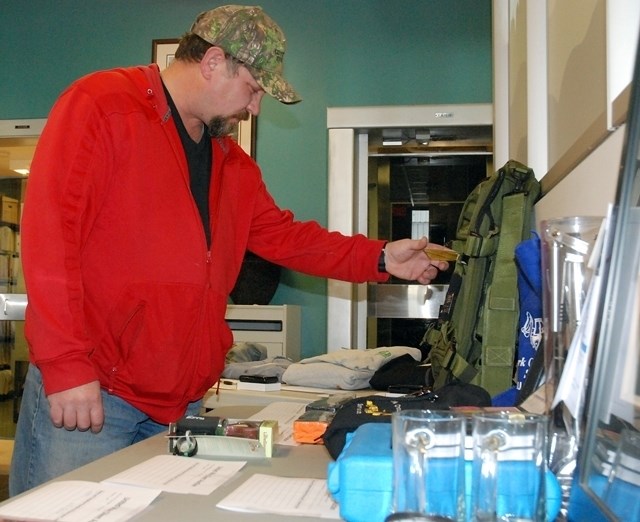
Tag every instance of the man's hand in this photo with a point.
(407, 260)
(78, 408)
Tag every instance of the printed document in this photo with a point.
(79, 501)
(285, 413)
(179, 474)
(282, 496)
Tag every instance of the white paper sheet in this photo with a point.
(282, 496)
(79, 501)
(573, 382)
(179, 474)
(285, 413)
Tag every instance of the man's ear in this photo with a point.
(213, 58)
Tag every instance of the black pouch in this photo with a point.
(377, 408)
(403, 370)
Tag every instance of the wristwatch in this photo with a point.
(382, 267)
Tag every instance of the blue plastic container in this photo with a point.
(361, 478)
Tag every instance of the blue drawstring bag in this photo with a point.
(528, 263)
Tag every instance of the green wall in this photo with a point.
(341, 53)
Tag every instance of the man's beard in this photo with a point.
(220, 126)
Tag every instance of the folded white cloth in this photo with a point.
(345, 369)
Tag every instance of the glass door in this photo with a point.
(418, 183)
(17, 145)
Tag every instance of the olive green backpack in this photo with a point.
(475, 337)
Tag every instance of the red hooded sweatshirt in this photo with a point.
(121, 285)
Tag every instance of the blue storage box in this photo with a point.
(361, 478)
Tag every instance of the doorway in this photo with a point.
(18, 139)
(356, 135)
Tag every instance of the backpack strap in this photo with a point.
(498, 327)
(501, 305)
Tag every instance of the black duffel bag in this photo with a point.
(378, 408)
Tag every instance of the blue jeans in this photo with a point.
(42, 451)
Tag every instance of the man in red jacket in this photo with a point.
(139, 212)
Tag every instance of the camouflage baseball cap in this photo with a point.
(250, 36)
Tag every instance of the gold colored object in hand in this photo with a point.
(441, 253)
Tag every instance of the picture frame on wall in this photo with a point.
(163, 51)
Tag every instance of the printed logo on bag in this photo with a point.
(532, 329)
(370, 408)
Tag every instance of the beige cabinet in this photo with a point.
(277, 327)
